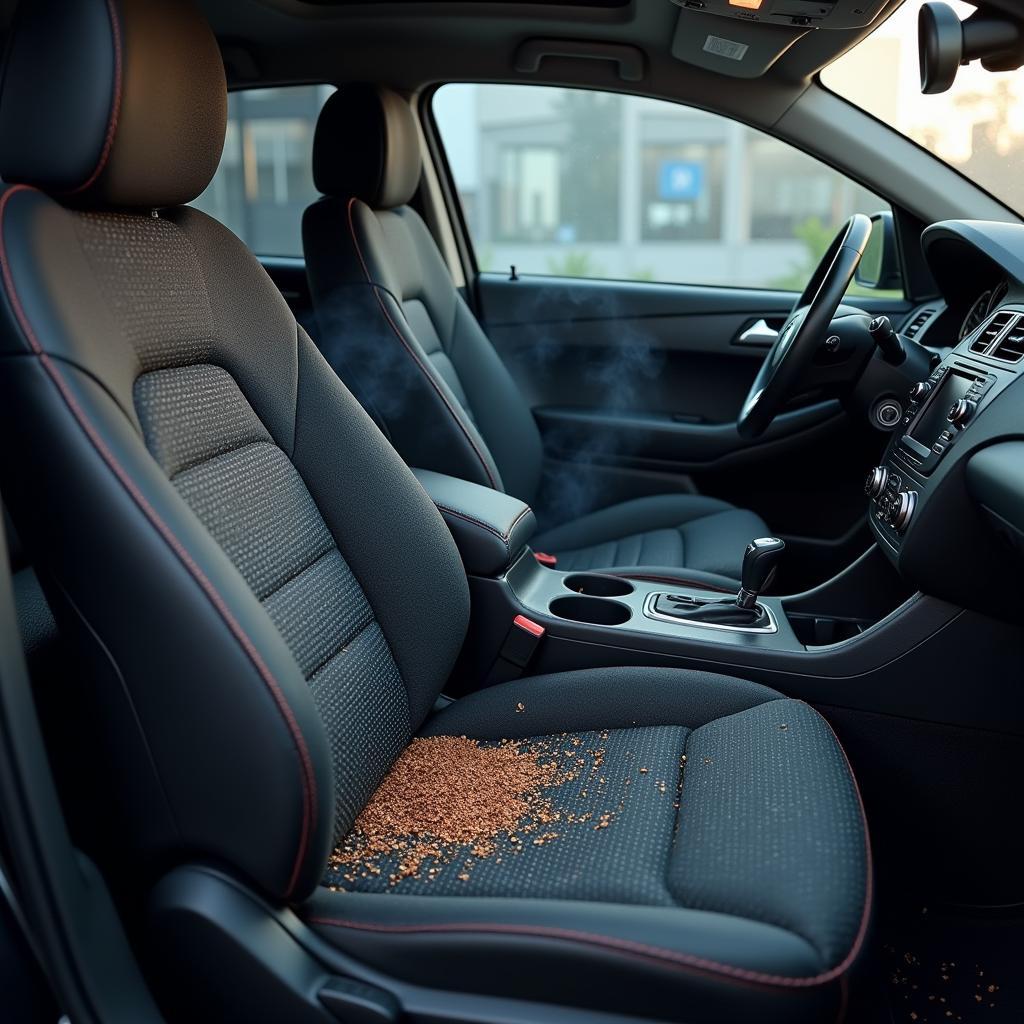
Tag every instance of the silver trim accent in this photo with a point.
(650, 612)
(758, 334)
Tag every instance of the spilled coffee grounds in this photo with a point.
(451, 799)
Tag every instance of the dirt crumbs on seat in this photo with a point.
(450, 796)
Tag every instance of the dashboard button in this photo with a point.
(919, 390)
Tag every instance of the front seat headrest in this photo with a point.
(112, 103)
(366, 145)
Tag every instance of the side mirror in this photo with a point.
(879, 267)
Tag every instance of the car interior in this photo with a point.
(514, 510)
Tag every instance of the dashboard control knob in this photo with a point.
(876, 481)
(960, 412)
(903, 510)
(919, 390)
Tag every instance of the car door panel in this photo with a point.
(663, 369)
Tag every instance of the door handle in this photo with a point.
(758, 335)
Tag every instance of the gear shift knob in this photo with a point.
(760, 560)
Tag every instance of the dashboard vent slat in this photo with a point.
(992, 331)
(914, 327)
(1011, 348)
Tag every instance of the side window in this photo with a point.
(589, 184)
(265, 178)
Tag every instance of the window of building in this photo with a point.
(681, 194)
(590, 184)
(265, 178)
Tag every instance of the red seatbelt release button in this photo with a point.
(522, 641)
(545, 559)
(531, 627)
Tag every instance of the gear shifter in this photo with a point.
(760, 561)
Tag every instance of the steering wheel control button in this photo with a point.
(961, 412)
(876, 481)
(888, 413)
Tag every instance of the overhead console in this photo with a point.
(831, 14)
(921, 508)
(743, 38)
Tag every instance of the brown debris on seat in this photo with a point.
(448, 792)
(450, 804)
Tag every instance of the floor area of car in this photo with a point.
(952, 964)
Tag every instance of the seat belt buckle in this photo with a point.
(545, 559)
(517, 650)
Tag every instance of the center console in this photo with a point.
(938, 412)
(920, 510)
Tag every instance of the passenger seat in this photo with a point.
(393, 324)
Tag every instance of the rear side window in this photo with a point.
(590, 184)
(265, 178)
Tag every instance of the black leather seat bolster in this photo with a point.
(490, 528)
(672, 964)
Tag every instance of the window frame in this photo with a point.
(467, 247)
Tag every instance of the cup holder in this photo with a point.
(593, 610)
(597, 586)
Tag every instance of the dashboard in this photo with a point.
(946, 503)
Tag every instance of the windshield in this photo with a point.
(977, 127)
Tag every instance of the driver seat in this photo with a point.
(394, 327)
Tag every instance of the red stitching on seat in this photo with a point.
(415, 357)
(684, 961)
(307, 774)
(115, 105)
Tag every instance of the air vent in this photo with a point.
(984, 341)
(1011, 348)
(918, 322)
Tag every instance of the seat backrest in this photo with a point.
(389, 316)
(264, 600)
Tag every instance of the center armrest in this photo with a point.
(490, 528)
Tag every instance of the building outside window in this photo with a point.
(591, 184)
(265, 178)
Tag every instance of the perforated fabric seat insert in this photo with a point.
(245, 490)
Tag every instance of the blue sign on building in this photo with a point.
(680, 179)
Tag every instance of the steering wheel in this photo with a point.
(779, 377)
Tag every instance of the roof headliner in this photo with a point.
(413, 45)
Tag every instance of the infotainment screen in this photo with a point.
(931, 421)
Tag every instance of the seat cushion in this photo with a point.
(695, 849)
(673, 531)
